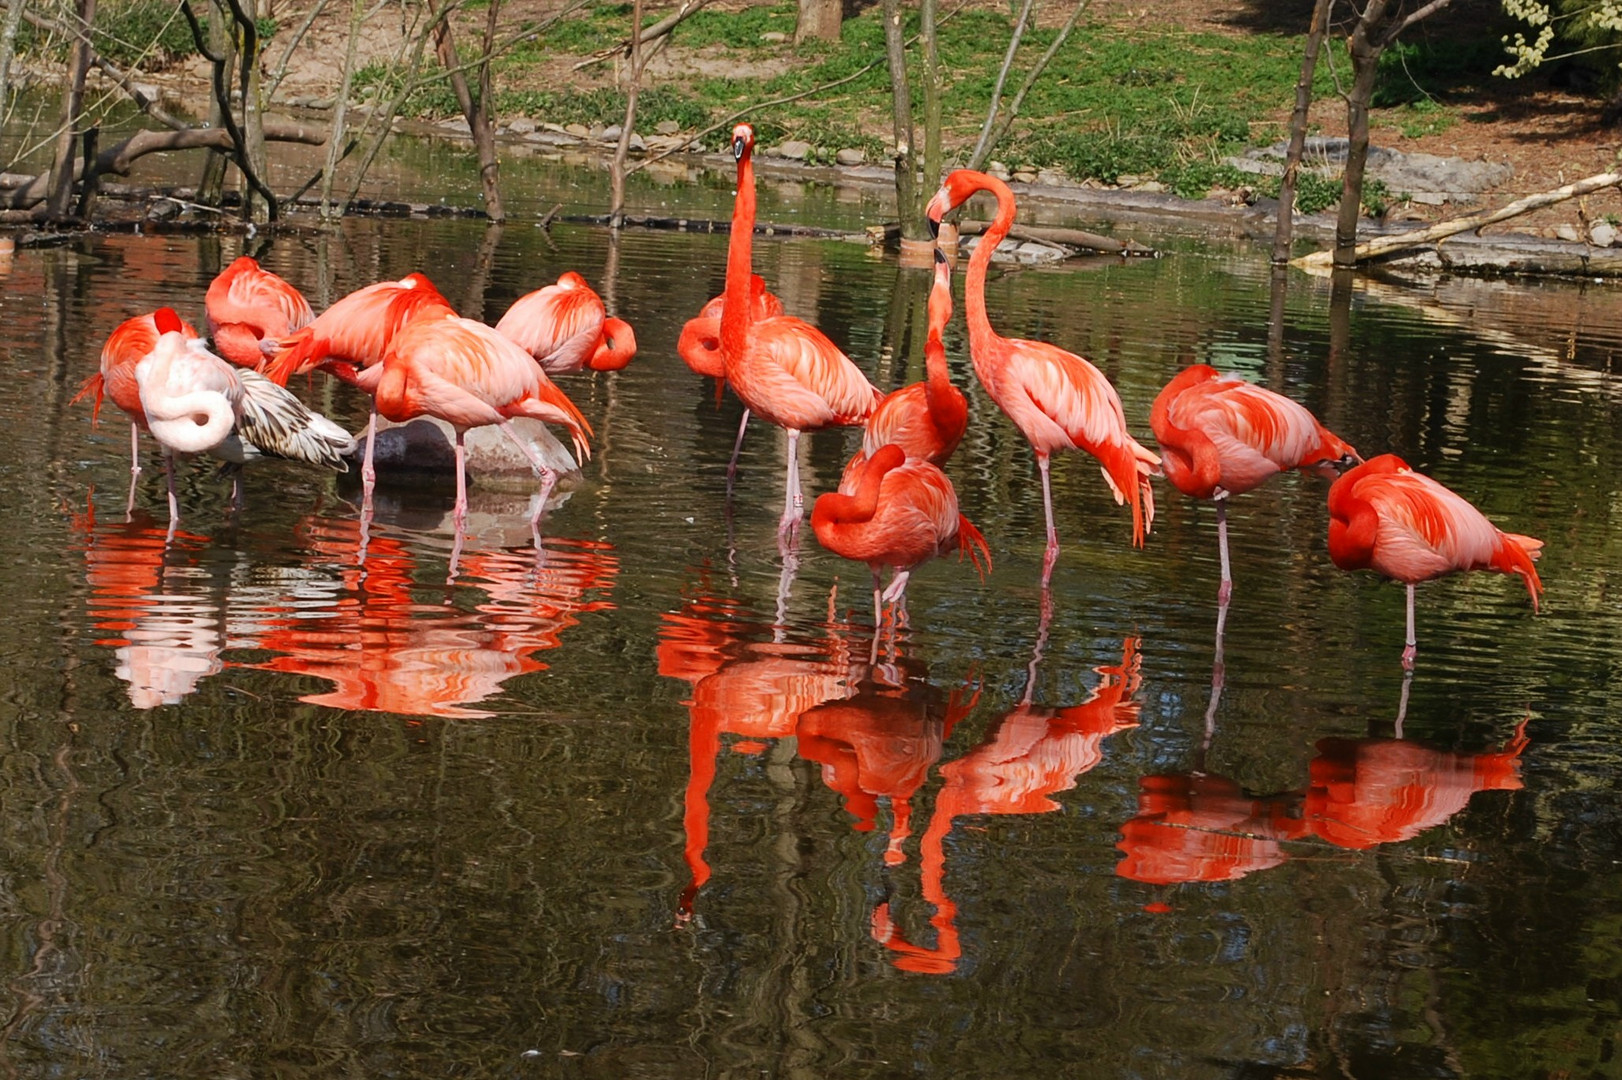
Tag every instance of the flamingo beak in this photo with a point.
(737, 148)
(936, 209)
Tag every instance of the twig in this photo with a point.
(981, 146)
(1035, 73)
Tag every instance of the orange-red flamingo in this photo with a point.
(1203, 827)
(1385, 517)
(699, 346)
(250, 311)
(782, 368)
(890, 511)
(1222, 436)
(353, 334)
(1056, 399)
(129, 342)
(566, 328)
(465, 373)
(926, 419)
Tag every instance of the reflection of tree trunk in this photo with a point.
(1278, 293)
(473, 300)
(819, 19)
(906, 181)
(1298, 131)
(72, 105)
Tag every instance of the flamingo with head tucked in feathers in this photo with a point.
(250, 311)
(926, 419)
(1385, 517)
(1058, 400)
(1222, 436)
(782, 368)
(566, 328)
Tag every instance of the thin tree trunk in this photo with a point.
(475, 111)
(257, 204)
(819, 20)
(906, 179)
(211, 185)
(932, 95)
(1364, 47)
(1298, 131)
(1010, 114)
(982, 146)
(8, 49)
(340, 111)
(72, 103)
(616, 210)
(385, 120)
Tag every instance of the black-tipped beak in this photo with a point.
(934, 233)
(940, 258)
(737, 148)
(1348, 461)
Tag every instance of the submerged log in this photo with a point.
(1078, 238)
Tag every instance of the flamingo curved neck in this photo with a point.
(974, 287)
(190, 423)
(736, 315)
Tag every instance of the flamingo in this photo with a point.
(131, 340)
(1222, 436)
(699, 346)
(782, 368)
(469, 375)
(1385, 517)
(195, 402)
(1056, 399)
(926, 419)
(250, 311)
(890, 511)
(354, 334)
(566, 328)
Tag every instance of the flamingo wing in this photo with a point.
(813, 383)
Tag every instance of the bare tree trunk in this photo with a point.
(982, 145)
(476, 112)
(72, 103)
(340, 111)
(819, 20)
(211, 185)
(616, 210)
(905, 160)
(384, 120)
(257, 205)
(1298, 131)
(1010, 114)
(8, 49)
(932, 96)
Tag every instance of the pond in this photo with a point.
(642, 807)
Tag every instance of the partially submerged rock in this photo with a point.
(424, 450)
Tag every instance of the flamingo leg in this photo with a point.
(1225, 592)
(737, 448)
(459, 514)
(548, 475)
(878, 618)
(135, 467)
(174, 500)
(1051, 556)
(793, 500)
(368, 472)
(1411, 648)
(1219, 676)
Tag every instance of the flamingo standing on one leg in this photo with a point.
(890, 511)
(354, 334)
(782, 368)
(1058, 400)
(250, 311)
(129, 342)
(1222, 436)
(468, 375)
(1385, 517)
(195, 402)
(699, 346)
(926, 419)
(566, 328)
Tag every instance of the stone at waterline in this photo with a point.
(850, 157)
(424, 449)
(521, 125)
(667, 127)
(1602, 234)
(794, 150)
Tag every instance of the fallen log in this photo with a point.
(1382, 246)
(1069, 237)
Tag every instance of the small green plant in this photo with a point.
(1423, 117)
(149, 33)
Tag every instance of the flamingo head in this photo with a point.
(167, 321)
(743, 141)
(571, 280)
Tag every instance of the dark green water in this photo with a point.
(642, 810)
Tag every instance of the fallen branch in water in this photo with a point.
(1070, 237)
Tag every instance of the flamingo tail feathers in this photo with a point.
(96, 385)
(277, 423)
(971, 542)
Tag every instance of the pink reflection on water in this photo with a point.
(1201, 827)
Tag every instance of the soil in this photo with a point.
(1549, 135)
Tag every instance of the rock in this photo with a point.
(597, 132)
(1568, 232)
(1454, 178)
(611, 133)
(428, 446)
(1602, 234)
(521, 125)
(1153, 186)
(637, 142)
(851, 157)
(1033, 252)
(795, 150)
(999, 170)
(667, 127)
(579, 131)
(457, 125)
(1024, 176)
(1051, 178)
(774, 37)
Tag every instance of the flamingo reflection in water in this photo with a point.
(743, 685)
(387, 651)
(1202, 827)
(147, 590)
(1032, 753)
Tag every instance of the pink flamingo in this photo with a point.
(890, 511)
(129, 342)
(468, 375)
(699, 346)
(926, 419)
(566, 328)
(194, 402)
(782, 368)
(1057, 399)
(250, 311)
(1222, 436)
(1385, 517)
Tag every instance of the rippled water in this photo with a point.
(643, 807)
